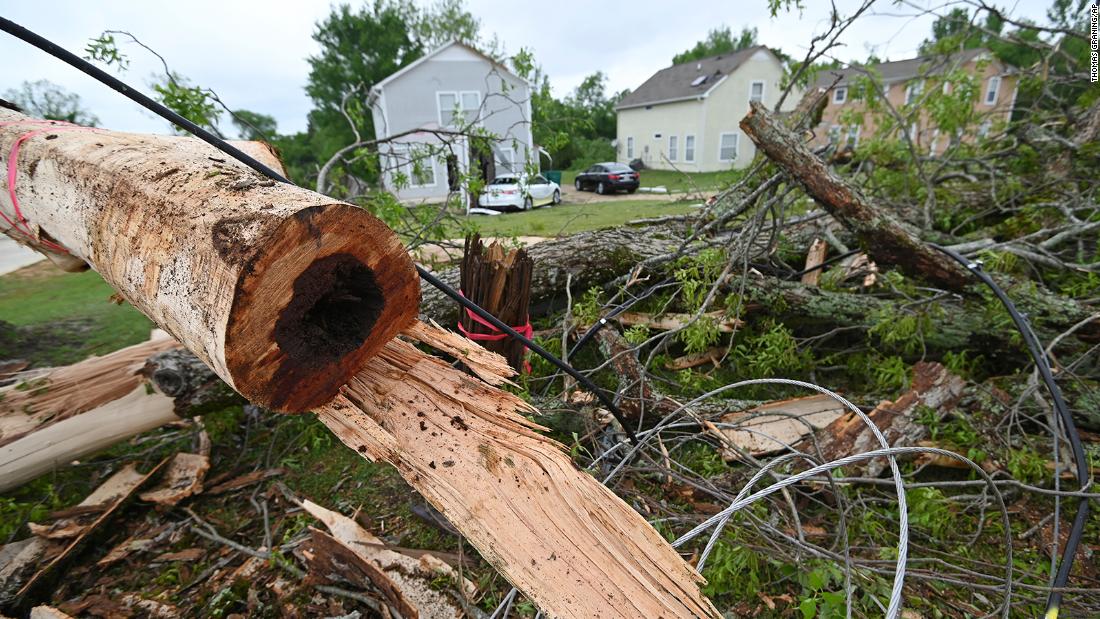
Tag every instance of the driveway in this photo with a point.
(570, 195)
(14, 256)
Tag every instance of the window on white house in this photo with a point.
(853, 136)
(630, 148)
(416, 165)
(913, 91)
(466, 103)
(673, 148)
(991, 90)
(840, 95)
(756, 91)
(689, 148)
(506, 159)
(727, 147)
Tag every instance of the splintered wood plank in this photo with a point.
(775, 426)
(406, 581)
(553, 530)
(814, 257)
(670, 321)
(183, 478)
(110, 495)
(52, 395)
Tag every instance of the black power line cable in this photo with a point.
(159, 109)
(1082, 472)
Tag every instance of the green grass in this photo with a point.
(675, 181)
(74, 310)
(572, 218)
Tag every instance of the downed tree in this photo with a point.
(283, 292)
(884, 236)
(59, 415)
(556, 533)
(934, 388)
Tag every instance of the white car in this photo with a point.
(516, 192)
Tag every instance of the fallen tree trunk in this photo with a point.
(883, 236)
(464, 445)
(61, 415)
(553, 531)
(281, 291)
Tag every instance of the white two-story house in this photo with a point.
(420, 111)
(686, 116)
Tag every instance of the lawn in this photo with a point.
(675, 181)
(65, 317)
(572, 218)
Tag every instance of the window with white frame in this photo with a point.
(673, 148)
(415, 165)
(689, 148)
(630, 148)
(506, 159)
(991, 90)
(985, 128)
(840, 94)
(756, 91)
(834, 134)
(913, 91)
(451, 103)
(727, 147)
(853, 136)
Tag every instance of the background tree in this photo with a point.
(718, 41)
(254, 126)
(45, 99)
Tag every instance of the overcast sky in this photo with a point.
(253, 52)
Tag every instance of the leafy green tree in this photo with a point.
(254, 126)
(448, 20)
(45, 99)
(718, 41)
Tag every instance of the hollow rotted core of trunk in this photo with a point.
(335, 305)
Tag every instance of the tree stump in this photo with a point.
(499, 281)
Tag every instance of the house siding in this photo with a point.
(928, 139)
(410, 102)
(707, 118)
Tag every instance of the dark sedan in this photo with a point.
(607, 178)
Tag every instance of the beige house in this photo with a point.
(905, 82)
(686, 116)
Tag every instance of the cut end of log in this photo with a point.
(331, 287)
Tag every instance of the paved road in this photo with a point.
(14, 256)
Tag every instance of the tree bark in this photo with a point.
(283, 292)
(883, 236)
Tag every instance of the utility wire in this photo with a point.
(159, 109)
(1039, 357)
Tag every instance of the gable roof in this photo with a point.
(437, 51)
(898, 70)
(682, 81)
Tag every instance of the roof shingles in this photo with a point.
(681, 81)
